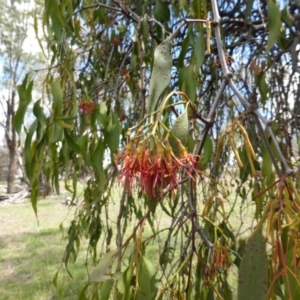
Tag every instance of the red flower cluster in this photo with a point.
(86, 107)
(156, 169)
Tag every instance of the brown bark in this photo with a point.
(11, 141)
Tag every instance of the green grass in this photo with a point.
(30, 254)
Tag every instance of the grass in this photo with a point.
(30, 254)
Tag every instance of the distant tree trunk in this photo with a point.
(20, 159)
(11, 141)
(11, 177)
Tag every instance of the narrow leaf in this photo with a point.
(106, 289)
(57, 95)
(207, 153)
(274, 24)
(71, 143)
(24, 91)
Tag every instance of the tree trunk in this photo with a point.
(12, 170)
(11, 141)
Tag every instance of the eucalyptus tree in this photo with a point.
(16, 59)
(195, 102)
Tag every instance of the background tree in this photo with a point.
(16, 60)
(193, 93)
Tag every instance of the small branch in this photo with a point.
(96, 6)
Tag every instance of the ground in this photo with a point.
(30, 253)
(31, 250)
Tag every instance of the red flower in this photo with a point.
(86, 107)
(154, 170)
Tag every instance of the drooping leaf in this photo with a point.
(28, 152)
(248, 8)
(99, 272)
(39, 114)
(274, 24)
(161, 74)
(286, 16)
(57, 133)
(184, 49)
(24, 91)
(71, 143)
(161, 11)
(123, 284)
(199, 48)
(179, 131)
(187, 81)
(106, 289)
(207, 152)
(267, 166)
(146, 280)
(245, 171)
(200, 8)
(144, 30)
(57, 94)
(112, 133)
(291, 280)
(253, 271)
(262, 86)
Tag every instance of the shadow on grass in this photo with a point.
(28, 263)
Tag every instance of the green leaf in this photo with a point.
(267, 166)
(112, 133)
(245, 171)
(144, 30)
(97, 157)
(106, 289)
(71, 143)
(103, 267)
(207, 153)
(161, 74)
(54, 280)
(24, 91)
(38, 111)
(39, 114)
(199, 48)
(188, 82)
(200, 8)
(184, 49)
(57, 94)
(81, 295)
(57, 133)
(287, 17)
(253, 272)
(180, 130)
(274, 24)
(161, 11)
(123, 284)
(27, 151)
(260, 81)
(101, 114)
(248, 8)
(146, 280)
(291, 280)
